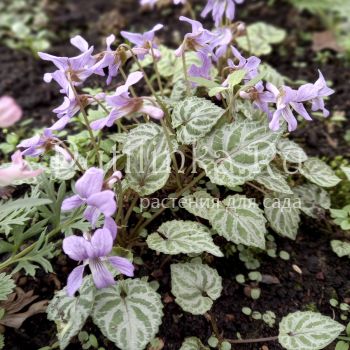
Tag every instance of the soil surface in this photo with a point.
(323, 274)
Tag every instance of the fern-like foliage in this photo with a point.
(6, 286)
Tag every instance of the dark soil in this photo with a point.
(323, 273)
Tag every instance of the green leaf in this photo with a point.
(149, 160)
(240, 220)
(313, 199)
(340, 248)
(319, 173)
(71, 313)
(179, 91)
(273, 180)
(291, 151)
(194, 117)
(6, 286)
(342, 345)
(128, 314)
(195, 286)
(237, 218)
(282, 212)
(272, 75)
(308, 331)
(193, 343)
(61, 169)
(236, 153)
(2, 341)
(236, 77)
(346, 171)
(259, 38)
(177, 236)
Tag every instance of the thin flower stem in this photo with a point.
(140, 227)
(248, 341)
(120, 202)
(155, 65)
(132, 90)
(211, 317)
(190, 10)
(72, 156)
(130, 210)
(256, 187)
(172, 155)
(86, 120)
(184, 67)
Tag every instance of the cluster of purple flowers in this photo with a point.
(92, 190)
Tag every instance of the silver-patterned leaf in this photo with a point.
(273, 180)
(128, 313)
(149, 133)
(236, 153)
(319, 173)
(71, 313)
(194, 117)
(193, 343)
(291, 151)
(340, 248)
(240, 220)
(177, 236)
(308, 331)
(148, 168)
(195, 286)
(313, 199)
(198, 204)
(282, 212)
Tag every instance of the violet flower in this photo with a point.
(18, 170)
(221, 9)
(94, 251)
(10, 112)
(198, 40)
(288, 100)
(249, 65)
(260, 98)
(76, 69)
(122, 104)
(221, 42)
(322, 90)
(144, 42)
(90, 191)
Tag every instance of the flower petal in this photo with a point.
(71, 203)
(75, 279)
(77, 248)
(111, 226)
(91, 182)
(122, 265)
(101, 275)
(101, 243)
(104, 201)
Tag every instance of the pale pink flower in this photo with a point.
(10, 112)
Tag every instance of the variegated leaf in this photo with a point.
(128, 313)
(193, 343)
(195, 286)
(319, 173)
(236, 153)
(308, 331)
(194, 117)
(71, 313)
(198, 204)
(177, 236)
(273, 180)
(291, 151)
(313, 199)
(282, 212)
(341, 248)
(240, 220)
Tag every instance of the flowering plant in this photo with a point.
(207, 136)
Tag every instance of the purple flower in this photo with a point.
(249, 65)
(40, 144)
(221, 8)
(198, 40)
(89, 191)
(94, 252)
(288, 100)
(203, 70)
(122, 104)
(322, 90)
(223, 38)
(144, 42)
(260, 97)
(76, 69)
